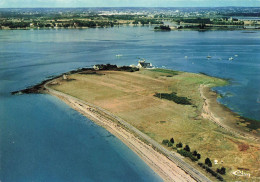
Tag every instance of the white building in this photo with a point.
(144, 64)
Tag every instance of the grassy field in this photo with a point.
(131, 97)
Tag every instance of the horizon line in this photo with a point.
(138, 7)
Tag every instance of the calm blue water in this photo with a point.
(42, 139)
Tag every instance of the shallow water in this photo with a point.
(42, 139)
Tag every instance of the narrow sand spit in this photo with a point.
(157, 161)
(215, 112)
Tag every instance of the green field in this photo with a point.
(131, 97)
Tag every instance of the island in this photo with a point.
(171, 119)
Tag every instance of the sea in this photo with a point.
(43, 139)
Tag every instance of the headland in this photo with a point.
(145, 107)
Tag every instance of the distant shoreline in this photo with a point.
(214, 28)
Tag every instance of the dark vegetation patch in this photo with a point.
(91, 73)
(128, 69)
(252, 124)
(40, 86)
(173, 97)
(70, 79)
(115, 67)
(209, 170)
(187, 154)
(163, 28)
(34, 89)
(79, 70)
(88, 73)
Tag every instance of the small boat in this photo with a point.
(230, 59)
(119, 55)
(208, 57)
(236, 55)
(186, 57)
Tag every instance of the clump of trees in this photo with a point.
(173, 97)
(128, 69)
(15, 24)
(221, 170)
(211, 171)
(80, 23)
(194, 20)
(163, 27)
(208, 162)
(195, 156)
(165, 142)
(179, 145)
(187, 148)
(207, 166)
(186, 153)
(169, 143)
(115, 68)
(195, 153)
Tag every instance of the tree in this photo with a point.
(208, 162)
(198, 156)
(165, 142)
(172, 140)
(170, 144)
(179, 145)
(187, 148)
(194, 153)
(221, 170)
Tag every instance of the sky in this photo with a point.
(127, 3)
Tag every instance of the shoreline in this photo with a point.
(213, 28)
(169, 166)
(221, 115)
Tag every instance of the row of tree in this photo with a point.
(73, 24)
(211, 171)
(15, 24)
(195, 156)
